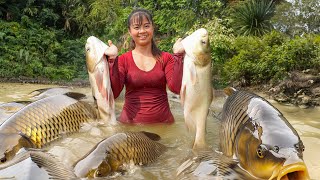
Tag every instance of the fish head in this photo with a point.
(273, 159)
(274, 162)
(10, 145)
(92, 167)
(96, 163)
(104, 169)
(95, 49)
(197, 46)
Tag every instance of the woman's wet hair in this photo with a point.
(137, 15)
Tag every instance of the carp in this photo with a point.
(35, 165)
(99, 78)
(41, 122)
(196, 90)
(261, 138)
(111, 154)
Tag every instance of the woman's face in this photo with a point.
(141, 33)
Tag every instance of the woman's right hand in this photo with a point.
(112, 51)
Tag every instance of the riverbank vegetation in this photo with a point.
(253, 41)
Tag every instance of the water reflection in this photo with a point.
(175, 136)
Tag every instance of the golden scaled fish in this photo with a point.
(99, 78)
(261, 138)
(196, 89)
(112, 153)
(35, 165)
(41, 122)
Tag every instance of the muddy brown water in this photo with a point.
(175, 136)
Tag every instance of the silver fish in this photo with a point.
(99, 78)
(196, 91)
(261, 138)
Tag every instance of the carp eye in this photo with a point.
(276, 149)
(98, 173)
(302, 147)
(203, 42)
(3, 160)
(87, 49)
(261, 151)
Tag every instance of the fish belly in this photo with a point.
(101, 90)
(197, 101)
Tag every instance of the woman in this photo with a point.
(145, 71)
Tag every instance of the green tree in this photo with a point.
(298, 17)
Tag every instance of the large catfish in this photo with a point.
(261, 138)
(99, 78)
(196, 90)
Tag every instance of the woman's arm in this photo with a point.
(116, 69)
(174, 71)
(117, 75)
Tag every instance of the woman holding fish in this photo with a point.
(145, 71)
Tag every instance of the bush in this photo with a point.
(270, 58)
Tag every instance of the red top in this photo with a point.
(146, 99)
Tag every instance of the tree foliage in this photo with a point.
(298, 17)
(46, 38)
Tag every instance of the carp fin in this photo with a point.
(27, 139)
(229, 90)
(152, 136)
(99, 80)
(55, 168)
(183, 93)
(75, 95)
(192, 72)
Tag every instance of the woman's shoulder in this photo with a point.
(126, 55)
(166, 56)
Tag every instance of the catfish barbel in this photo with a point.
(99, 78)
(261, 138)
(196, 90)
(112, 153)
(41, 122)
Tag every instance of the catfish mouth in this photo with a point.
(296, 171)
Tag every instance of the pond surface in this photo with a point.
(175, 136)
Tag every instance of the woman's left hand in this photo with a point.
(178, 47)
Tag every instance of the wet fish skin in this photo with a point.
(112, 153)
(262, 139)
(36, 165)
(46, 92)
(99, 78)
(210, 165)
(196, 90)
(41, 122)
